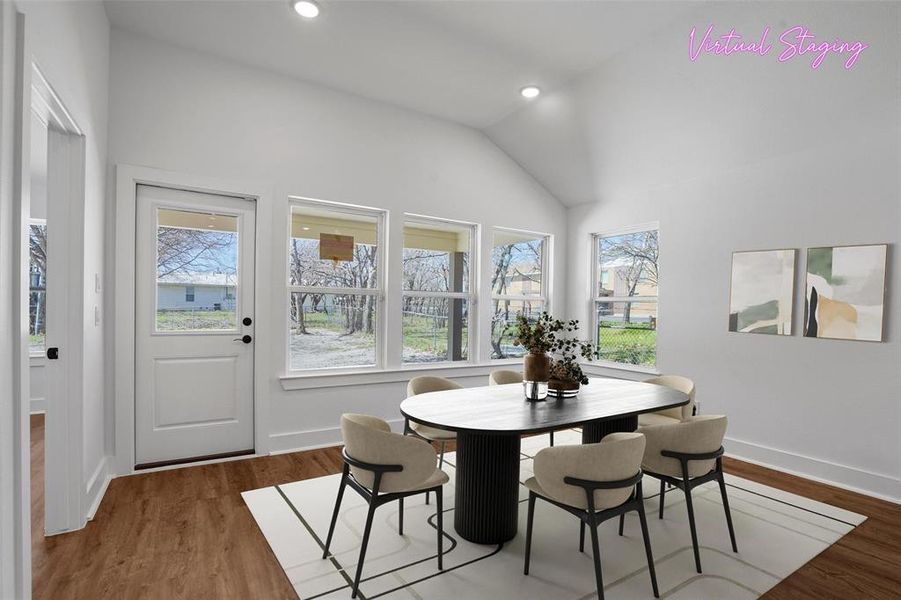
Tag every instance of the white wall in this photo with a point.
(182, 111)
(744, 152)
(71, 47)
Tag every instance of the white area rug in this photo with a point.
(777, 532)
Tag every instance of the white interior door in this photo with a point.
(194, 326)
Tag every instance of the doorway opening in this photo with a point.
(53, 196)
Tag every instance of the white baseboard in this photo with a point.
(96, 487)
(877, 485)
(37, 406)
(296, 441)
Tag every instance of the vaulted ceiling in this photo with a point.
(460, 61)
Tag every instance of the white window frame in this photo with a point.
(595, 297)
(471, 296)
(378, 291)
(543, 296)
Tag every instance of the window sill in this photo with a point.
(613, 369)
(307, 381)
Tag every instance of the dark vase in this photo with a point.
(535, 369)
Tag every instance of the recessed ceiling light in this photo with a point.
(530, 91)
(306, 8)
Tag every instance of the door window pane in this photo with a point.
(503, 325)
(627, 332)
(517, 262)
(435, 329)
(197, 271)
(332, 330)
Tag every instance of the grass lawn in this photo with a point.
(425, 339)
(36, 343)
(632, 343)
(189, 320)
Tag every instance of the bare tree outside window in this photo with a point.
(197, 270)
(436, 291)
(332, 305)
(37, 287)
(626, 297)
(517, 286)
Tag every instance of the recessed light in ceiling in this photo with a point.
(530, 91)
(306, 8)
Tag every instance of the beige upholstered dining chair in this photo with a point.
(671, 415)
(504, 377)
(594, 482)
(423, 385)
(382, 467)
(685, 455)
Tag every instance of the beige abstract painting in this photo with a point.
(762, 293)
(845, 292)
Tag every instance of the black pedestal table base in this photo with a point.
(595, 431)
(487, 482)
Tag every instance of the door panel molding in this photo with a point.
(128, 177)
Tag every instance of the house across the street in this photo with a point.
(196, 291)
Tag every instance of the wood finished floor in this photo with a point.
(186, 533)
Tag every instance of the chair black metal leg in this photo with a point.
(426, 497)
(400, 516)
(552, 439)
(529, 520)
(366, 532)
(622, 523)
(331, 528)
(581, 536)
(597, 559)
(662, 496)
(439, 503)
(691, 524)
(647, 549)
(441, 461)
(728, 512)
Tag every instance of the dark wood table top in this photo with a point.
(503, 409)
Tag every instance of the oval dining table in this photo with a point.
(489, 422)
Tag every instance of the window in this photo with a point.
(437, 290)
(37, 286)
(518, 285)
(625, 296)
(334, 286)
(194, 251)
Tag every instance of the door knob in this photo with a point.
(246, 339)
(53, 353)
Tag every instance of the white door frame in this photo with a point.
(65, 496)
(128, 177)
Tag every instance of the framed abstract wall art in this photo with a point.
(762, 296)
(845, 292)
